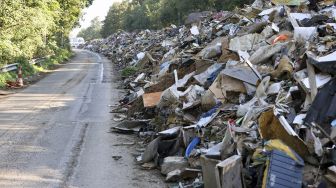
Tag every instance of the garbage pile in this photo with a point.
(234, 99)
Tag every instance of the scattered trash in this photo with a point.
(331, 175)
(129, 126)
(228, 172)
(117, 157)
(233, 99)
(173, 163)
(184, 174)
(148, 166)
(191, 146)
(283, 171)
(125, 144)
(151, 99)
(208, 170)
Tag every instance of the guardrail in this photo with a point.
(38, 60)
(14, 66)
(10, 67)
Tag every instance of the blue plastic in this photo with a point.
(214, 75)
(333, 123)
(204, 119)
(211, 111)
(191, 146)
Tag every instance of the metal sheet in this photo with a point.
(283, 171)
(243, 74)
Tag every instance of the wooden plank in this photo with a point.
(228, 173)
(332, 170)
(312, 80)
(151, 99)
(209, 171)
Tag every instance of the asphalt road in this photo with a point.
(55, 133)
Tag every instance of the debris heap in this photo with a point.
(234, 99)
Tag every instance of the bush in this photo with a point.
(6, 76)
(28, 69)
(128, 71)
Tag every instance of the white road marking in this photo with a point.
(101, 72)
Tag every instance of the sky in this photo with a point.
(98, 8)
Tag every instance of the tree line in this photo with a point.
(130, 15)
(35, 28)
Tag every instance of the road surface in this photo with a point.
(55, 133)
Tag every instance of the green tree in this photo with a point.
(230, 4)
(33, 28)
(135, 18)
(132, 15)
(93, 31)
(69, 17)
(114, 19)
(25, 26)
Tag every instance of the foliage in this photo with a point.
(92, 32)
(35, 28)
(28, 69)
(132, 15)
(114, 19)
(128, 71)
(7, 76)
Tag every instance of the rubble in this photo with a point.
(170, 164)
(234, 99)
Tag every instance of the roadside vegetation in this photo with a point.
(34, 29)
(93, 31)
(28, 69)
(132, 15)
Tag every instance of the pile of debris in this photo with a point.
(234, 99)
